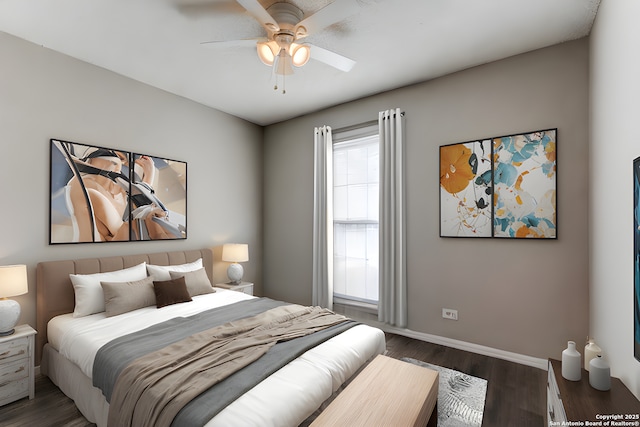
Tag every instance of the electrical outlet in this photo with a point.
(449, 313)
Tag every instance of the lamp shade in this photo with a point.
(235, 252)
(13, 280)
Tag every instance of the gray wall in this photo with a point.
(527, 297)
(46, 95)
(521, 296)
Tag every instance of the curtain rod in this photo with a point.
(360, 125)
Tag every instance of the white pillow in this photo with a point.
(161, 272)
(88, 290)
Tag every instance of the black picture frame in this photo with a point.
(500, 187)
(91, 189)
(636, 258)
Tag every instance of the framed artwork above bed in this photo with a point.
(102, 194)
(502, 187)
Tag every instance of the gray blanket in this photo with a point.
(116, 355)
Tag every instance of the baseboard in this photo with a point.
(372, 319)
(467, 346)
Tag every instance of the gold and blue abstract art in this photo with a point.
(503, 187)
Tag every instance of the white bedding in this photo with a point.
(286, 398)
(79, 338)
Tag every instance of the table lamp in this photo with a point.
(13, 281)
(235, 253)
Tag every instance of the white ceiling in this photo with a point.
(394, 42)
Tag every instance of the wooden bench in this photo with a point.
(388, 392)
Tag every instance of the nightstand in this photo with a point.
(244, 287)
(16, 365)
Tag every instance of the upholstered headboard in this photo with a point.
(54, 292)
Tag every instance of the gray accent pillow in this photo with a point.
(197, 281)
(122, 297)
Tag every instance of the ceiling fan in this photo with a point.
(286, 26)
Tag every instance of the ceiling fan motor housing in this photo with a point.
(286, 15)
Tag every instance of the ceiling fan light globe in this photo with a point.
(266, 52)
(283, 64)
(300, 54)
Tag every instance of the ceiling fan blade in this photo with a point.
(330, 14)
(260, 14)
(336, 60)
(215, 44)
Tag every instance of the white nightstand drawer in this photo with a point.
(15, 349)
(14, 390)
(14, 371)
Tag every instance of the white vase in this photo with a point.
(599, 374)
(571, 366)
(591, 350)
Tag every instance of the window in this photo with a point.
(349, 265)
(356, 178)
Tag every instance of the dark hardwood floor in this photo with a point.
(49, 408)
(516, 394)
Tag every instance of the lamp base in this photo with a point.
(4, 334)
(9, 315)
(235, 273)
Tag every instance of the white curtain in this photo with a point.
(392, 304)
(323, 219)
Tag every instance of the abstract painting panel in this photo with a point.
(158, 198)
(89, 186)
(524, 183)
(465, 189)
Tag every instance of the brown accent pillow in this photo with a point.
(197, 281)
(121, 297)
(171, 292)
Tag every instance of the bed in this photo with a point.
(68, 346)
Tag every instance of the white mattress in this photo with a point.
(286, 398)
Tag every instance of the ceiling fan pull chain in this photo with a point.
(274, 75)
